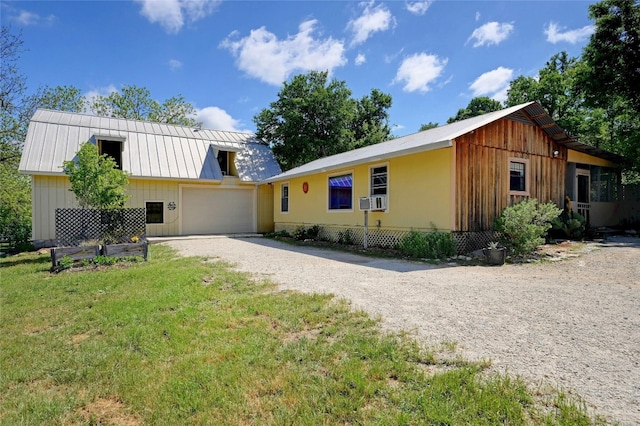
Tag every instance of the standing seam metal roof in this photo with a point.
(150, 150)
(442, 137)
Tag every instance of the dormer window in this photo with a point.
(226, 162)
(113, 149)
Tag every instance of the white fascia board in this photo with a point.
(368, 159)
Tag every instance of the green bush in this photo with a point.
(65, 263)
(301, 233)
(346, 237)
(427, 245)
(525, 224)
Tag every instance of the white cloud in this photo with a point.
(171, 14)
(263, 56)
(418, 71)
(555, 33)
(360, 59)
(91, 95)
(100, 91)
(26, 18)
(218, 119)
(392, 57)
(493, 84)
(490, 33)
(175, 64)
(477, 16)
(373, 19)
(419, 7)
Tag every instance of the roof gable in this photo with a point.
(442, 137)
(150, 150)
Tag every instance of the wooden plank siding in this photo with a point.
(482, 171)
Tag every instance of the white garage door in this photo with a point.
(217, 211)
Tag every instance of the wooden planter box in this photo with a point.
(129, 249)
(75, 253)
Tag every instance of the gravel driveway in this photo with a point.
(574, 324)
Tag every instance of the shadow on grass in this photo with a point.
(22, 259)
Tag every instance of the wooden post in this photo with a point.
(366, 229)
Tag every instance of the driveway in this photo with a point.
(572, 324)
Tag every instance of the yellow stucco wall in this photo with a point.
(418, 196)
(581, 157)
(51, 192)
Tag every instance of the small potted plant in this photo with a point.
(494, 254)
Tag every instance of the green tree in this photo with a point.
(315, 118)
(477, 106)
(613, 54)
(609, 81)
(16, 109)
(135, 103)
(427, 126)
(95, 179)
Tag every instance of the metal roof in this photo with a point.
(442, 137)
(150, 150)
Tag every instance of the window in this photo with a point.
(341, 192)
(155, 211)
(284, 198)
(225, 160)
(379, 180)
(604, 184)
(518, 176)
(113, 149)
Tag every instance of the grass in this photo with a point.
(190, 341)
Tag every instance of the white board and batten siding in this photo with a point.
(165, 163)
(200, 208)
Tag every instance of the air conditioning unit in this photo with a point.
(373, 203)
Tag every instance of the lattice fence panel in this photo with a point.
(73, 226)
(465, 242)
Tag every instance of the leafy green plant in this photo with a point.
(524, 225)
(301, 233)
(571, 224)
(427, 245)
(65, 263)
(95, 179)
(105, 260)
(346, 237)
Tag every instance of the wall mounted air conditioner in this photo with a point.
(373, 203)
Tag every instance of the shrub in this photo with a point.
(65, 263)
(524, 225)
(346, 237)
(301, 233)
(429, 245)
(570, 223)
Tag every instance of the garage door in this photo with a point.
(217, 211)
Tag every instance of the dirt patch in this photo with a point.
(108, 411)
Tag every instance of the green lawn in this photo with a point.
(186, 341)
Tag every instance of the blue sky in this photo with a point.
(229, 58)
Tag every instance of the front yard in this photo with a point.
(187, 341)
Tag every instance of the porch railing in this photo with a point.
(583, 209)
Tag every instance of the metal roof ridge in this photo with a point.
(130, 120)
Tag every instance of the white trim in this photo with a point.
(527, 175)
(373, 166)
(282, 184)
(342, 173)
